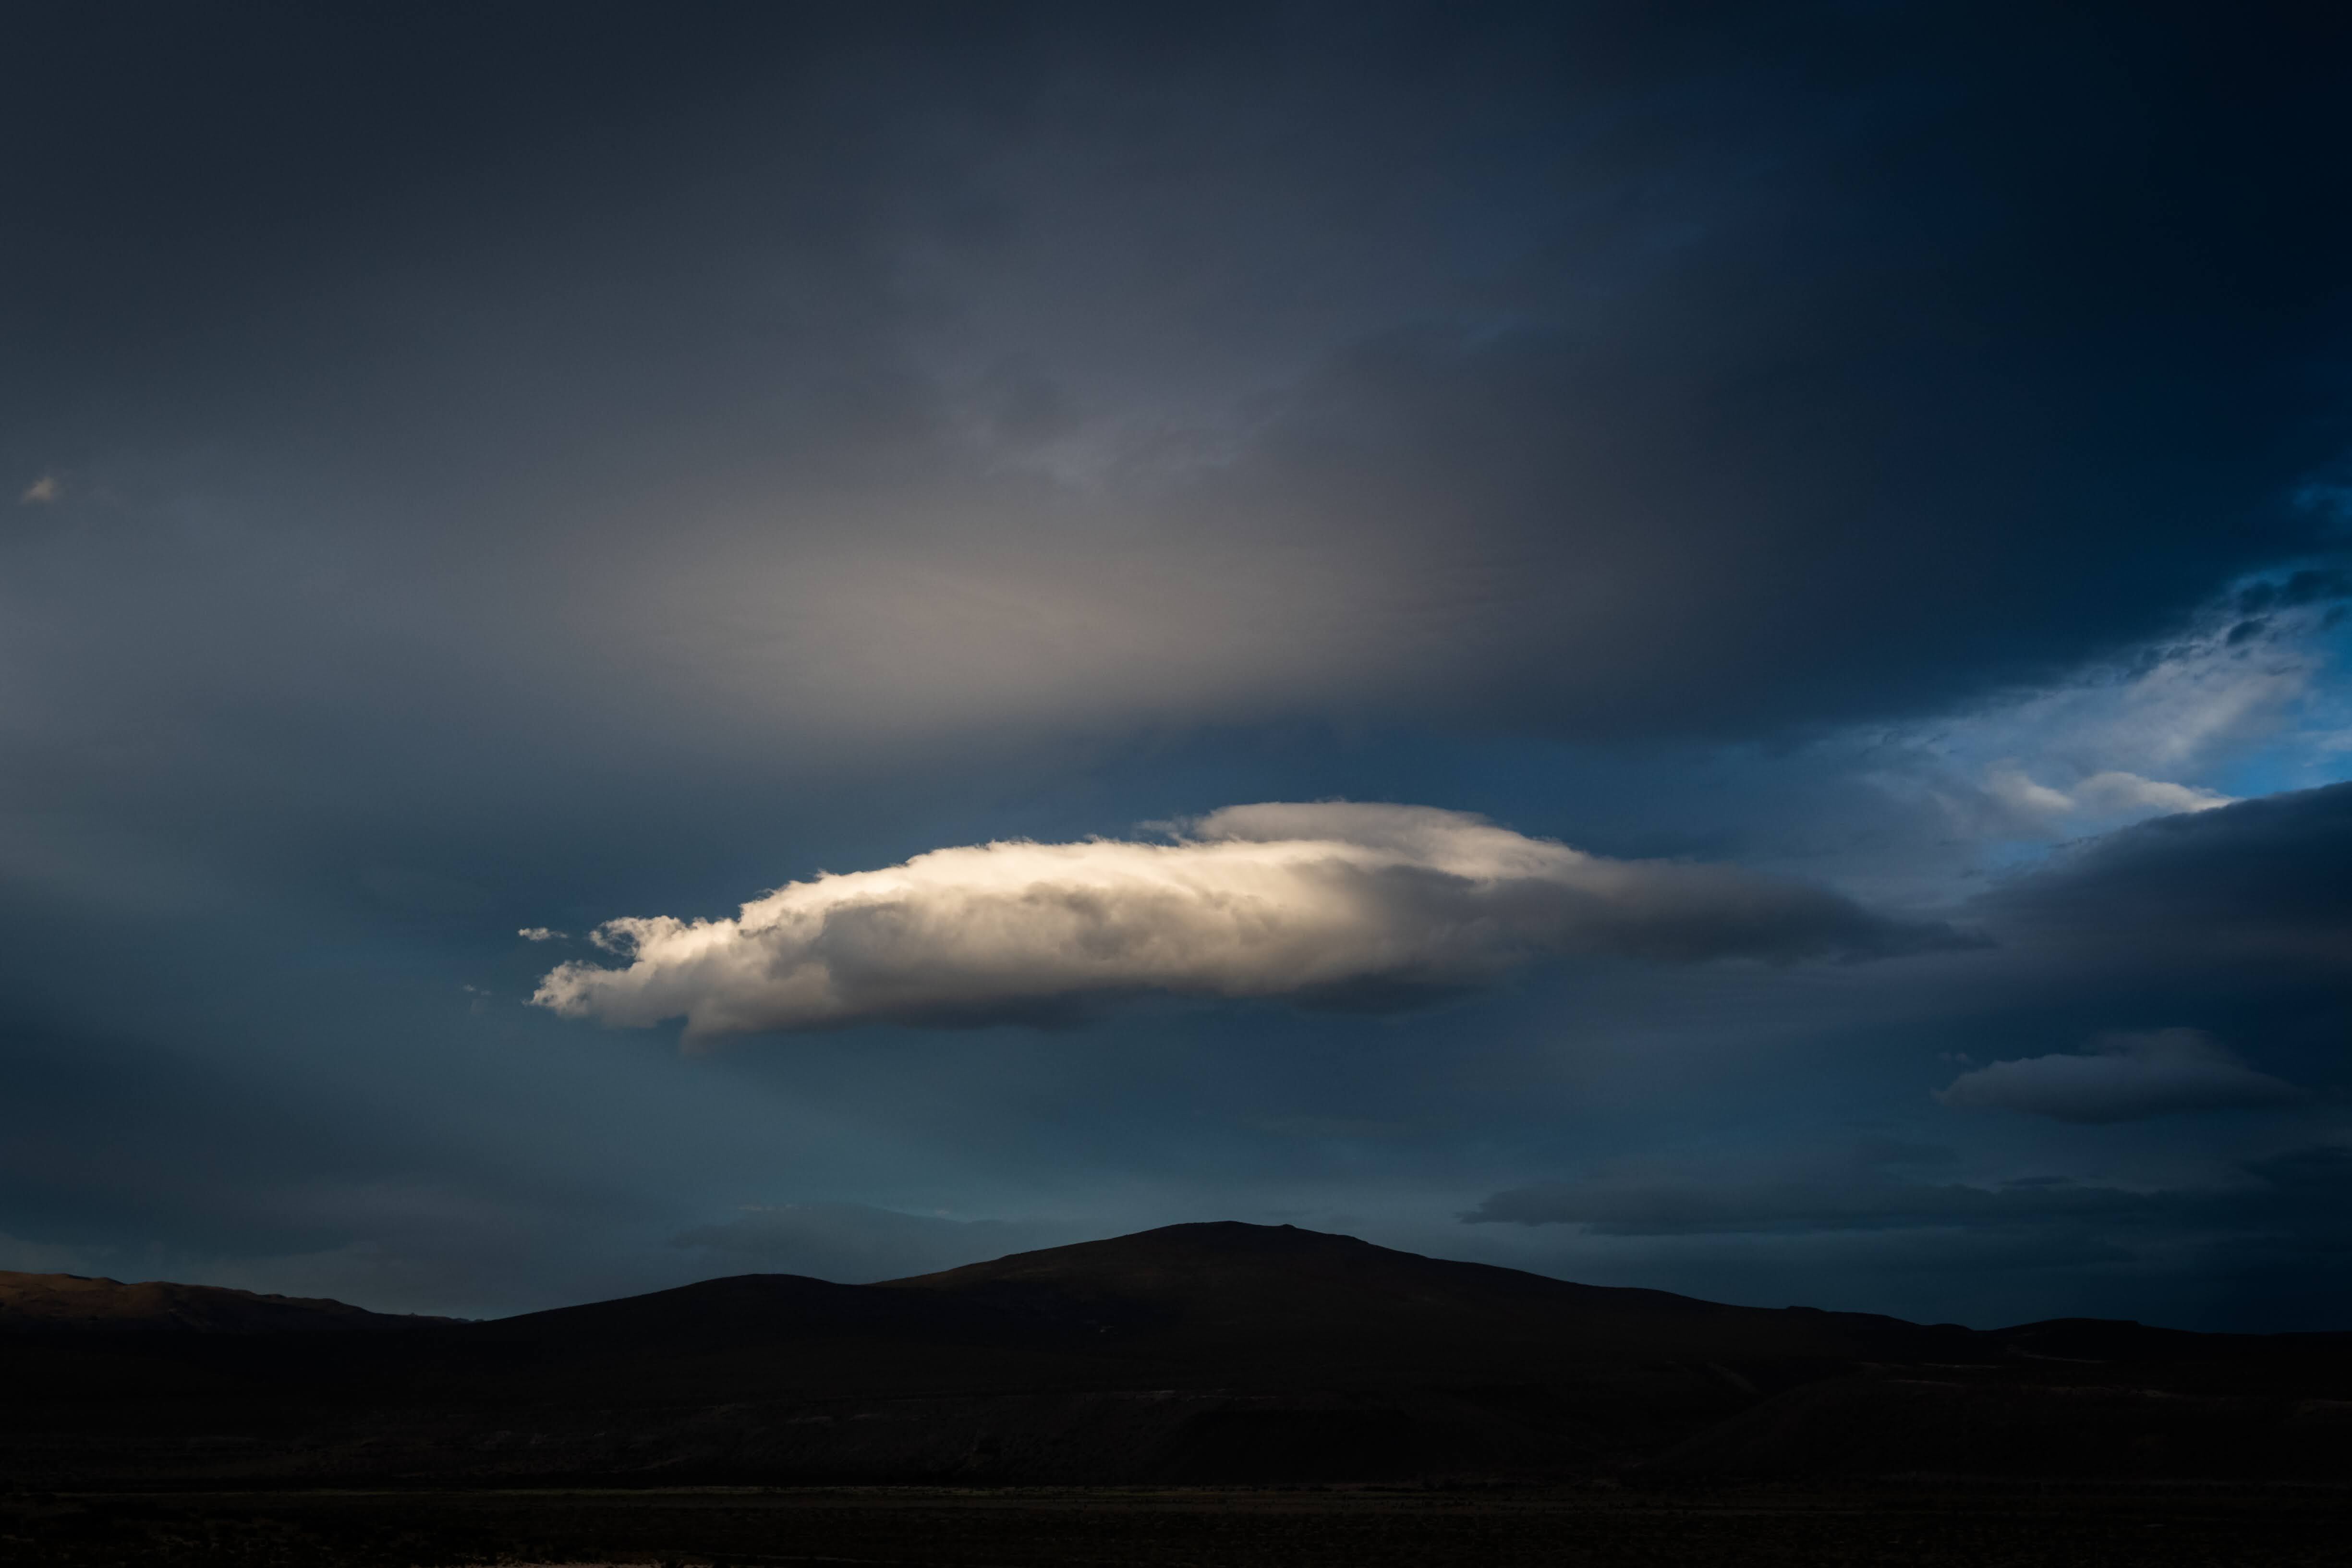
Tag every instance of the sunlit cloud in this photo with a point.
(1332, 903)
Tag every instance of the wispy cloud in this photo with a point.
(2112, 793)
(42, 491)
(2124, 741)
(1335, 903)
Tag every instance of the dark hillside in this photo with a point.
(64, 1302)
(1198, 1353)
(1303, 1298)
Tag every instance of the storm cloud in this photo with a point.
(1573, 372)
(1339, 902)
(2255, 882)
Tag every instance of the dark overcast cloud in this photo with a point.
(2125, 1077)
(1551, 369)
(474, 469)
(2260, 879)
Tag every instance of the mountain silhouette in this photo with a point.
(1194, 1352)
(51, 1303)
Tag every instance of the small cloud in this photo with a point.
(2124, 1078)
(42, 491)
(541, 934)
(2122, 794)
(2112, 793)
(2009, 784)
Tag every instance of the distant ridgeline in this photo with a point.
(1197, 1352)
(64, 1302)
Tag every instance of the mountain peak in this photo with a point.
(1223, 1244)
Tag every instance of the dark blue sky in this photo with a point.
(1830, 521)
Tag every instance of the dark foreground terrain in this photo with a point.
(1195, 1356)
(1755, 1528)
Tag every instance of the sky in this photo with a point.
(1689, 645)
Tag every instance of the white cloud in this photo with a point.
(1334, 902)
(2128, 794)
(2124, 1078)
(42, 491)
(541, 934)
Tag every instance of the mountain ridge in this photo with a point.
(95, 1304)
(1208, 1352)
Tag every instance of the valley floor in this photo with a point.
(1193, 1528)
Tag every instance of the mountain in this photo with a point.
(1282, 1296)
(1196, 1353)
(1221, 1301)
(53, 1302)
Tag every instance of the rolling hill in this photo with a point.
(1196, 1353)
(53, 1302)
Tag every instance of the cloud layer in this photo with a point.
(1337, 903)
(2294, 1192)
(2261, 880)
(2124, 1078)
(969, 379)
